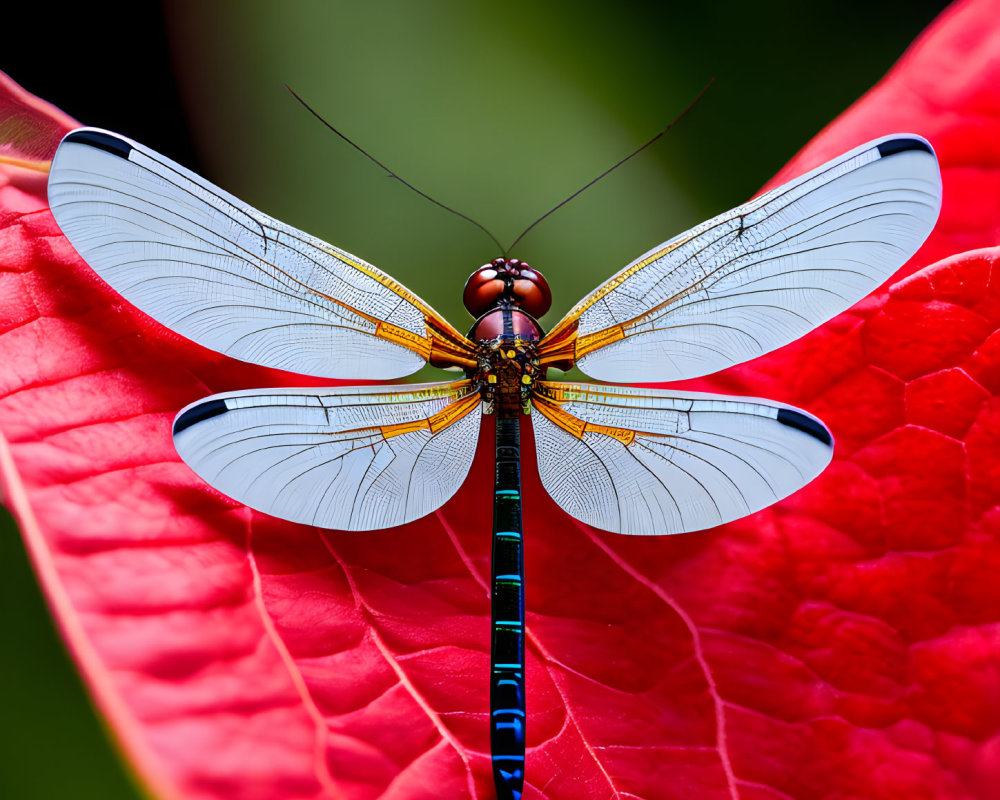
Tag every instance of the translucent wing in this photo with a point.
(644, 461)
(231, 278)
(761, 275)
(351, 458)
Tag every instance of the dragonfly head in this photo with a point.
(507, 280)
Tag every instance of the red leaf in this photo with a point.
(945, 88)
(30, 130)
(844, 644)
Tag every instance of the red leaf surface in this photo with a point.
(843, 644)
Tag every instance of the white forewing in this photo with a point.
(643, 461)
(219, 272)
(760, 276)
(352, 458)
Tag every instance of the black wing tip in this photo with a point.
(102, 140)
(806, 424)
(199, 413)
(902, 145)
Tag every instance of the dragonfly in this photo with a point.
(620, 458)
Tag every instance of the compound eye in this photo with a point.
(532, 292)
(483, 290)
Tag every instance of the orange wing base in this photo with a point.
(549, 399)
(449, 415)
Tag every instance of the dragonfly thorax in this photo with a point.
(507, 371)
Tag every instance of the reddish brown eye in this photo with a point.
(532, 292)
(482, 291)
(511, 281)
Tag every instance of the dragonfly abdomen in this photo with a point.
(507, 689)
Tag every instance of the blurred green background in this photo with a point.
(498, 110)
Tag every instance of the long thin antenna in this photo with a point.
(392, 174)
(612, 168)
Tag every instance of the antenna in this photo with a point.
(612, 168)
(504, 251)
(392, 174)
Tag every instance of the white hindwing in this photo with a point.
(761, 275)
(219, 272)
(644, 461)
(350, 458)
